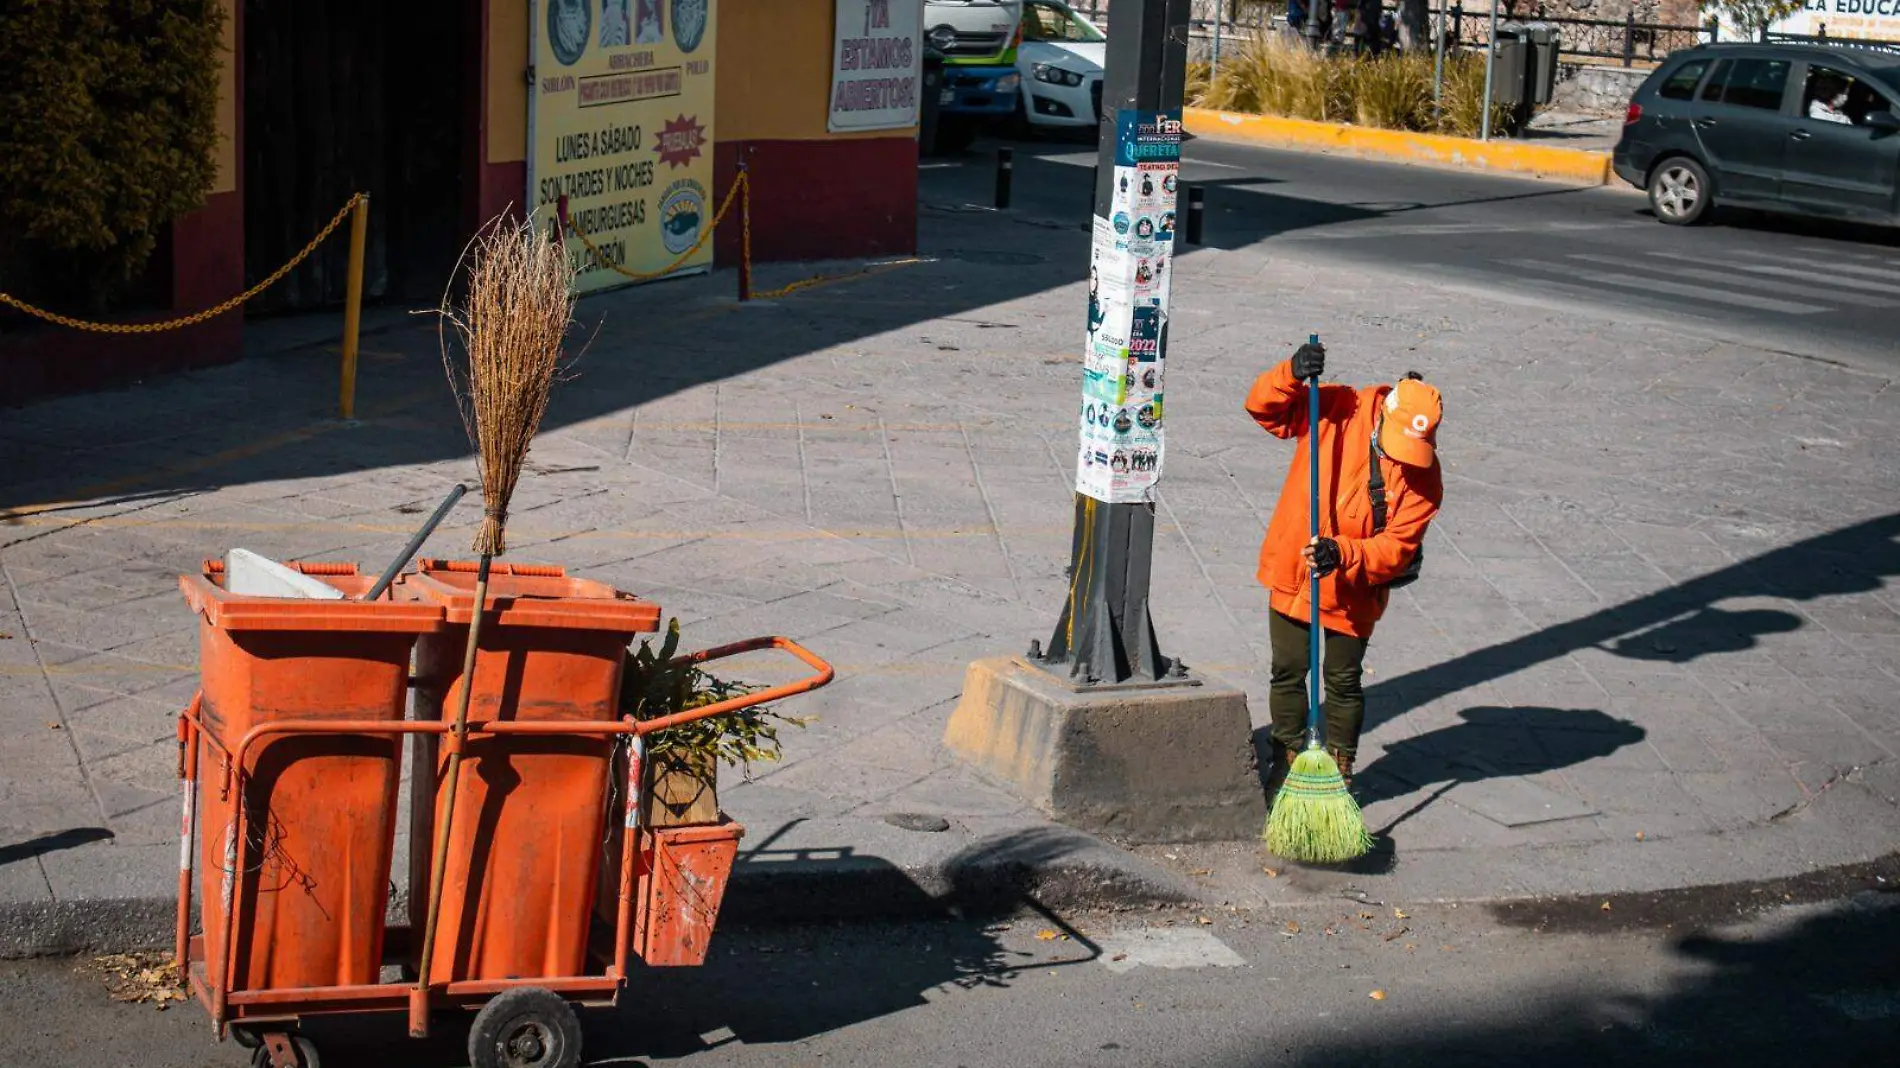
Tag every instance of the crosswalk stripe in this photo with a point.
(1825, 266)
(1584, 300)
(1787, 272)
(1785, 288)
(1646, 284)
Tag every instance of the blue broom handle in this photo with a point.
(1313, 630)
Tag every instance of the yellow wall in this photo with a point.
(226, 152)
(774, 72)
(507, 80)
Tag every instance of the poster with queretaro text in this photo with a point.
(1124, 354)
(877, 65)
(621, 113)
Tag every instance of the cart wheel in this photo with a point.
(306, 1053)
(525, 1027)
(245, 1037)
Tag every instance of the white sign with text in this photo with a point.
(877, 65)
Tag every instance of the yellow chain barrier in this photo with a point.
(739, 183)
(196, 317)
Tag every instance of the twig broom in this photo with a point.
(510, 326)
(1314, 819)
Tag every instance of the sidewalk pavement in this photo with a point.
(1654, 645)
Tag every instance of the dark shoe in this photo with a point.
(1276, 775)
(1344, 760)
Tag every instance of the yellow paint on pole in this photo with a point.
(353, 306)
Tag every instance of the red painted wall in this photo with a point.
(816, 200)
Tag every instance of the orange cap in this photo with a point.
(1412, 412)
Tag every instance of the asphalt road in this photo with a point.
(1808, 288)
(1361, 983)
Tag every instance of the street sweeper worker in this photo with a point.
(1377, 442)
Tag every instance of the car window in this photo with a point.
(1712, 89)
(1681, 84)
(1836, 96)
(1756, 83)
(1048, 22)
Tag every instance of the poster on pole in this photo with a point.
(1124, 354)
(877, 65)
(620, 124)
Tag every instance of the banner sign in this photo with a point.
(877, 65)
(1876, 20)
(1125, 352)
(620, 121)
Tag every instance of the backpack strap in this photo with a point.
(1376, 479)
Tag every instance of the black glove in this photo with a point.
(1309, 361)
(1323, 556)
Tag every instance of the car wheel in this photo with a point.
(1679, 191)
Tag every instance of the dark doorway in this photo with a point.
(351, 95)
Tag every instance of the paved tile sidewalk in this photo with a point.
(1660, 605)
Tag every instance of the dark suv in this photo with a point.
(1810, 129)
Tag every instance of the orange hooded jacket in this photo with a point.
(1352, 598)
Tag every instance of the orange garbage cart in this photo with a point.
(531, 812)
(667, 882)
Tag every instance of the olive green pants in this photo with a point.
(1343, 664)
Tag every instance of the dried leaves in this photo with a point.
(139, 978)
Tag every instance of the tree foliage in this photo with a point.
(108, 125)
(1753, 16)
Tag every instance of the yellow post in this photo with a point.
(353, 304)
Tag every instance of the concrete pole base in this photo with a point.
(1153, 763)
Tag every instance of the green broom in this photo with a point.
(1314, 818)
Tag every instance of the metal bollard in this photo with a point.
(745, 233)
(353, 307)
(1197, 210)
(1005, 173)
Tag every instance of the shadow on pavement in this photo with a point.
(814, 970)
(271, 419)
(1491, 743)
(52, 843)
(1824, 989)
(1856, 559)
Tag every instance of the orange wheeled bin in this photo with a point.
(531, 810)
(304, 845)
(296, 737)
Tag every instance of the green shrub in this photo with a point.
(108, 123)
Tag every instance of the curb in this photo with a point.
(1501, 157)
(1049, 867)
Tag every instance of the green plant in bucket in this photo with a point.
(656, 684)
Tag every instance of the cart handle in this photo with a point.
(822, 677)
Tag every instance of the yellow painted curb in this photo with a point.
(1511, 157)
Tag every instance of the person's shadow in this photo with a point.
(1708, 631)
(1492, 742)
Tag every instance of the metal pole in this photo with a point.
(1220, 16)
(1490, 61)
(1196, 214)
(1438, 67)
(1104, 633)
(353, 306)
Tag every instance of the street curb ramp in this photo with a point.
(1497, 156)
